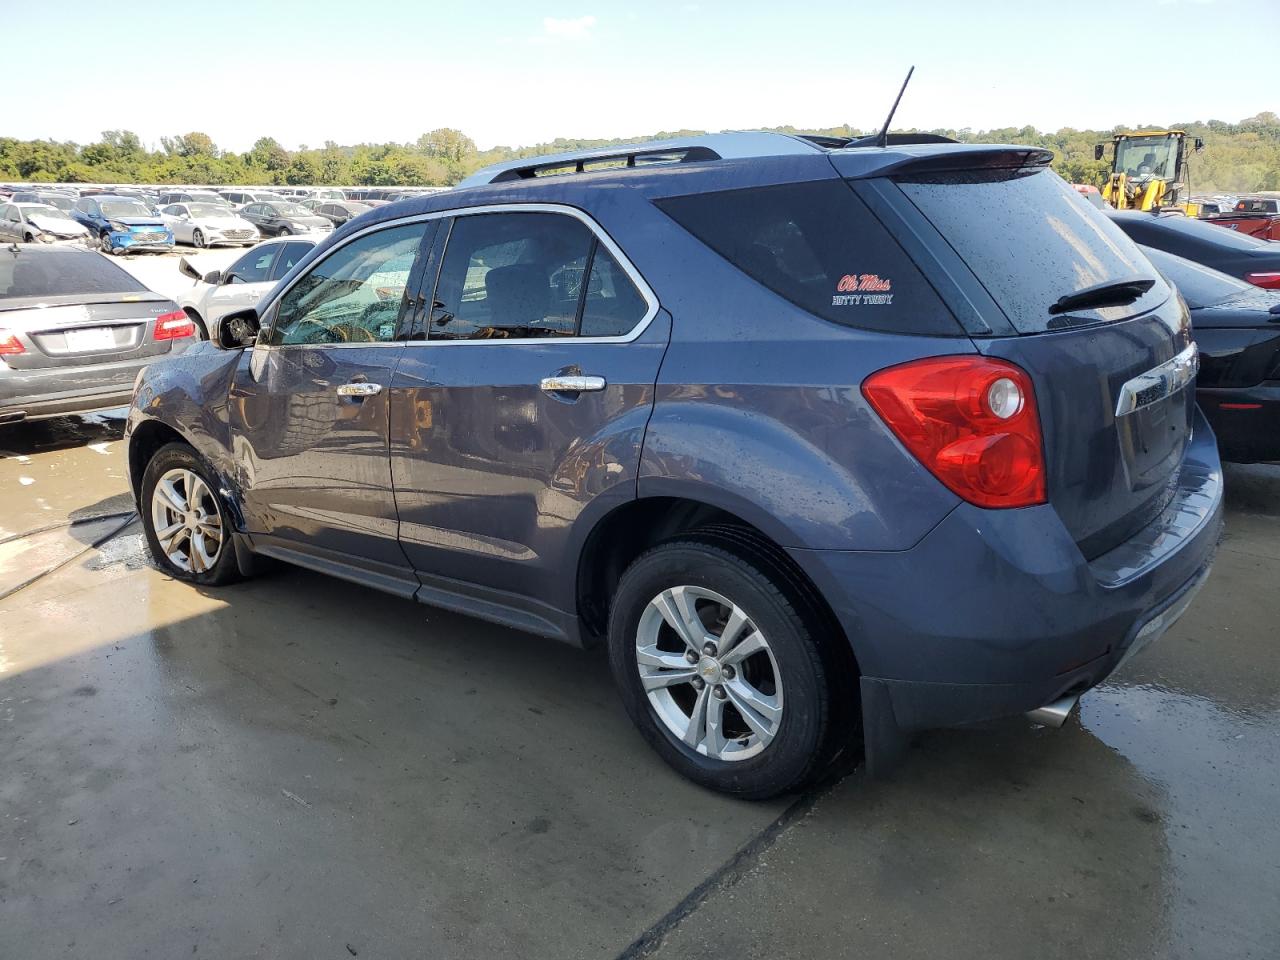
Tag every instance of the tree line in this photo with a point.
(1238, 157)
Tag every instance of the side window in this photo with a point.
(251, 209)
(11, 213)
(613, 305)
(511, 276)
(354, 295)
(254, 266)
(292, 253)
(82, 206)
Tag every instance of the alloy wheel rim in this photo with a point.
(186, 520)
(197, 239)
(709, 673)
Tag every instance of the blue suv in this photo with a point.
(827, 442)
(123, 224)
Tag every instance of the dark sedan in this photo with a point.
(1237, 328)
(1246, 258)
(339, 212)
(281, 219)
(75, 329)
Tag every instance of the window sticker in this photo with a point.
(863, 289)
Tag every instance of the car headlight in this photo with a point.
(118, 227)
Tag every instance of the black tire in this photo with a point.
(285, 232)
(28, 238)
(197, 238)
(179, 455)
(198, 321)
(806, 738)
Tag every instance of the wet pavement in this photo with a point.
(299, 767)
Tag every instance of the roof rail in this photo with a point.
(714, 146)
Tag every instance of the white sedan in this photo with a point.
(208, 224)
(216, 293)
(29, 222)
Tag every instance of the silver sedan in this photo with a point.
(208, 225)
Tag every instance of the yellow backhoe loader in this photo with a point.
(1149, 171)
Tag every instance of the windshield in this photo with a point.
(62, 203)
(1031, 240)
(123, 208)
(1144, 157)
(268, 197)
(292, 210)
(1200, 286)
(209, 198)
(33, 273)
(209, 210)
(43, 211)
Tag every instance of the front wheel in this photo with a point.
(197, 238)
(186, 526)
(718, 668)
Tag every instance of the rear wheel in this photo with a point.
(185, 523)
(285, 232)
(717, 666)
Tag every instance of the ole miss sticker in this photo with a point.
(862, 289)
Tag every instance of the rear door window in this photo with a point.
(819, 246)
(1030, 239)
(293, 251)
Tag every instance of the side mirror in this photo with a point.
(213, 276)
(238, 330)
(1098, 150)
(1199, 144)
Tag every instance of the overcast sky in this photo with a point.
(522, 72)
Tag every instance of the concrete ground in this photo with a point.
(298, 767)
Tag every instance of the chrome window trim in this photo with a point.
(650, 298)
(1159, 382)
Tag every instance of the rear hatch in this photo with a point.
(70, 308)
(1105, 339)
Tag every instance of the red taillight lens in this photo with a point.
(971, 421)
(174, 326)
(9, 343)
(1270, 281)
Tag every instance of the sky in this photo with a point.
(518, 73)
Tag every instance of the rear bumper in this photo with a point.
(55, 391)
(1246, 420)
(995, 613)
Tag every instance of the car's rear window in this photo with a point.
(45, 274)
(819, 246)
(1031, 240)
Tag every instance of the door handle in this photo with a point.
(572, 384)
(359, 389)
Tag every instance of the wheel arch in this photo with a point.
(145, 441)
(628, 530)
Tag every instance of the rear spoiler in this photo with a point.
(926, 160)
(74, 299)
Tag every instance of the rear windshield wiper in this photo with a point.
(1116, 293)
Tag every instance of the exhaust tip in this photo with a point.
(1054, 714)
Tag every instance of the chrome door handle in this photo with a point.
(359, 389)
(572, 384)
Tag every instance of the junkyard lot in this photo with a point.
(300, 767)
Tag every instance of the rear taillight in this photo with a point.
(971, 421)
(9, 343)
(1269, 281)
(174, 326)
